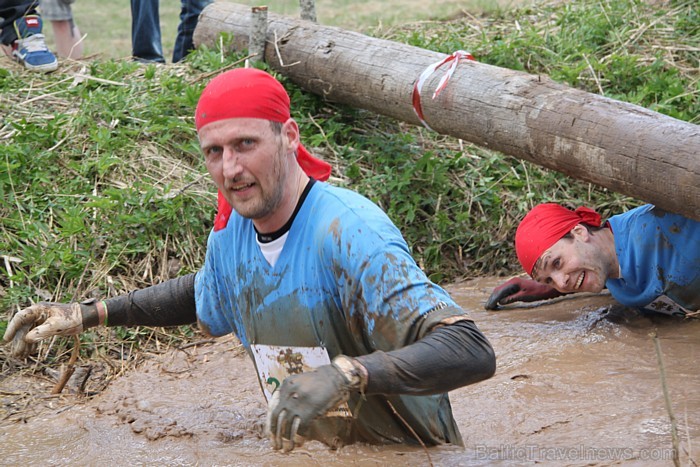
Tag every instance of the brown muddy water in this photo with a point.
(572, 388)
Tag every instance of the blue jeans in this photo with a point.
(146, 42)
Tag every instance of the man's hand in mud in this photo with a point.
(305, 397)
(518, 289)
(40, 321)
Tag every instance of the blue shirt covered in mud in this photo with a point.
(346, 283)
(659, 254)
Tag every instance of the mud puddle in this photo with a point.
(571, 388)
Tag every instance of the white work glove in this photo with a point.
(37, 322)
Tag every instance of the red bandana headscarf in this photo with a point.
(250, 93)
(544, 226)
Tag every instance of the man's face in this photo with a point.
(249, 162)
(575, 264)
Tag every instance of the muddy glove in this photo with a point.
(307, 396)
(518, 289)
(47, 319)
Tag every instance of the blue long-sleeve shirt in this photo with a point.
(659, 254)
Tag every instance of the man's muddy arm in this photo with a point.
(519, 289)
(170, 303)
(447, 358)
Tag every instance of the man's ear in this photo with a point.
(290, 133)
(580, 232)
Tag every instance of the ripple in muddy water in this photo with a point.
(573, 386)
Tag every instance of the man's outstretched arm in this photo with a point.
(519, 289)
(170, 303)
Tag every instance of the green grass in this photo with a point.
(107, 23)
(89, 192)
(628, 50)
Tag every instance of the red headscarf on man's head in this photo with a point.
(250, 93)
(544, 226)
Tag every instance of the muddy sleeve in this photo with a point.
(447, 358)
(170, 303)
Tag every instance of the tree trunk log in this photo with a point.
(619, 146)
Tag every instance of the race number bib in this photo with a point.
(665, 305)
(274, 363)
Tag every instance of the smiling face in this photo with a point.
(254, 167)
(581, 262)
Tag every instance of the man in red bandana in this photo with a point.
(646, 258)
(350, 339)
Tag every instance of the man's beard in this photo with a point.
(271, 197)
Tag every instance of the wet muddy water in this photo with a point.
(572, 388)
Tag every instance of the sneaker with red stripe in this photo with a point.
(30, 47)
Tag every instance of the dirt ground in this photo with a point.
(574, 386)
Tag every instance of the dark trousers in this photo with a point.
(10, 10)
(145, 29)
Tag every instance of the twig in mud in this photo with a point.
(69, 369)
(415, 435)
(195, 343)
(688, 441)
(667, 400)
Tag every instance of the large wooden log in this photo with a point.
(620, 146)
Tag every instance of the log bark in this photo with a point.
(257, 38)
(616, 145)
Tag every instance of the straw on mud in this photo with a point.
(413, 432)
(667, 400)
(689, 450)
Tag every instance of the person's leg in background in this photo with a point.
(21, 35)
(146, 45)
(65, 31)
(189, 15)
